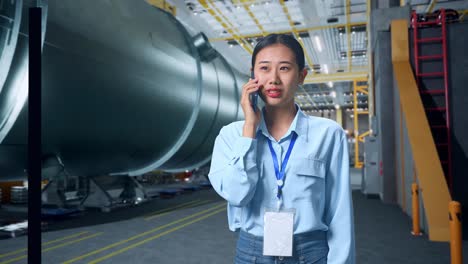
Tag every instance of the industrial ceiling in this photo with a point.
(333, 34)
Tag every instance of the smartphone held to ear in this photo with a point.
(253, 96)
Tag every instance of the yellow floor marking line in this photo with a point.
(154, 237)
(47, 243)
(183, 207)
(72, 242)
(143, 234)
(171, 208)
(51, 248)
(64, 238)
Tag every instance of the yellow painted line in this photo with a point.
(64, 238)
(142, 234)
(183, 207)
(170, 209)
(72, 242)
(47, 243)
(51, 248)
(155, 237)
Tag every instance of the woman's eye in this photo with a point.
(264, 68)
(284, 68)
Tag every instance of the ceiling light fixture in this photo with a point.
(325, 68)
(330, 84)
(318, 44)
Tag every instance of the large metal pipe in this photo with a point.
(130, 91)
(14, 84)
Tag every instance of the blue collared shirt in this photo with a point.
(316, 180)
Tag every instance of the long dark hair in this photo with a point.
(286, 40)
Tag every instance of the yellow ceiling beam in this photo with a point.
(246, 7)
(431, 6)
(219, 17)
(348, 33)
(462, 13)
(296, 34)
(302, 30)
(370, 62)
(335, 77)
(164, 5)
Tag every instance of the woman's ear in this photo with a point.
(302, 76)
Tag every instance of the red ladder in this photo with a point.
(443, 143)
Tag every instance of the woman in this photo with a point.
(284, 174)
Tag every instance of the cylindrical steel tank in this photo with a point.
(14, 84)
(130, 91)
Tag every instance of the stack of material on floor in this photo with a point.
(14, 230)
(19, 194)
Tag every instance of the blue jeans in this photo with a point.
(309, 248)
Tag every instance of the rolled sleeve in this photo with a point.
(339, 208)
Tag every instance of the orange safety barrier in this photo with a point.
(416, 228)
(455, 232)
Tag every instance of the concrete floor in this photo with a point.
(192, 228)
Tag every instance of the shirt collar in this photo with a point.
(298, 125)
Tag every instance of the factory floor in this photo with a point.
(192, 228)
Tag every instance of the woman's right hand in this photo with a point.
(252, 118)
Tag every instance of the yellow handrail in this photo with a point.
(434, 189)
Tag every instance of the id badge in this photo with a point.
(278, 232)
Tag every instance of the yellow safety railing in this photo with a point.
(358, 137)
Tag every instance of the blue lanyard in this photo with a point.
(280, 173)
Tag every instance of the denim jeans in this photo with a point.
(309, 248)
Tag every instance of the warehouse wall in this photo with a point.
(458, 69)
(383, 83)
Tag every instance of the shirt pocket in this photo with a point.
(309, 179)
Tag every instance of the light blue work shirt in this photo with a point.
(316, 180)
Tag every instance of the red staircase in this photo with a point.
(433, 83)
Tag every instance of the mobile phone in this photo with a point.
(253, 96)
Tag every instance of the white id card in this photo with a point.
(278, 233)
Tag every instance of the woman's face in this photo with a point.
(278, 75)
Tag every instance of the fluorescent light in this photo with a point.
(325, 68)
(318, 45)
(330, 84)
(337, 106)
(333, 94)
